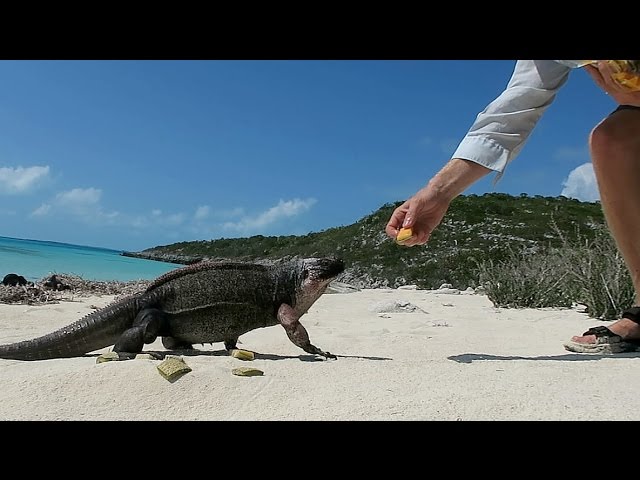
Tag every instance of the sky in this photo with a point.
(134, 154)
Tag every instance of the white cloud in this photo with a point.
(284, 209)
(84, 202)
(202, 212)
(139, 222)
(581, 184)
(158, 218)
(231, 213)
(42, 210)
(155, 219)
(572, 153)
(173, 220)
(21, 180)
(79, 197)
(112, 215)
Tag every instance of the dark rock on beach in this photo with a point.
(13, 280)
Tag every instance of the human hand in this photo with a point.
(601, 73)
(422, 213)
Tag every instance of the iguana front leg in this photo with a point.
(145, 329)
(296, 332)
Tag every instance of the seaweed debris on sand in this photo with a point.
(39, 293)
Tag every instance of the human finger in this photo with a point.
(595, 74)
(395, 222)
(611, 85)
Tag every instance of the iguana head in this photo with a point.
(315, 275)
(322, 269)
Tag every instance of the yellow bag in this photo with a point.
(625, 72)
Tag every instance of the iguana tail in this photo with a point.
(92, 332)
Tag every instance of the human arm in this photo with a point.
(494, 139)
(424, 211)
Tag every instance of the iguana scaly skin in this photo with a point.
(206, 302)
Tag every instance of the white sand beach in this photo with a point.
(455, 358)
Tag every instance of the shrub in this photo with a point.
(525, 280)
(598, 276)
(589, 271)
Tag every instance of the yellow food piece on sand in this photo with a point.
(247, 372)
(242, 354)
(173, 367)
(107, 357)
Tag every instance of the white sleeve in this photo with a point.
(502, 128)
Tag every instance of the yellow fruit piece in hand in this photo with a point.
(404, 234)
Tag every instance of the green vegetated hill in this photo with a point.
(476, 228)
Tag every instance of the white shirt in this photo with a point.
(502, 128)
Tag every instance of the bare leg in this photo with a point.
(615, 153)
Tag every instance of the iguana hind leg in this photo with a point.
(145, 329)
(230, 344)
(171, 343)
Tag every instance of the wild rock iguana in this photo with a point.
(206, 302)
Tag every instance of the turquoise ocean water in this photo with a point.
(35, 259)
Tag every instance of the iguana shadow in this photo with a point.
(312, 358)
(259, 356)
(567, 357)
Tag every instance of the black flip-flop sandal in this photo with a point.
(632, 314)
(606, 340)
